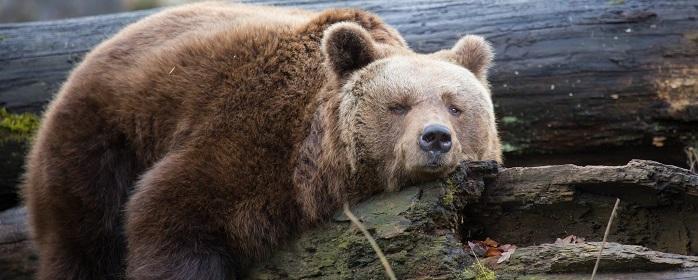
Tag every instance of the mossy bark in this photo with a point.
(422, 229)
(405, 226)
(416, 229)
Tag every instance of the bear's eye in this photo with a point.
(454, 111)
(399, 109)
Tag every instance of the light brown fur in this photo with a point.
(222, 130)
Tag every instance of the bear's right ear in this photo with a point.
(472, 52)
(348, 47)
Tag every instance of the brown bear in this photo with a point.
(197, 140)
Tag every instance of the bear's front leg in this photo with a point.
(174, 225)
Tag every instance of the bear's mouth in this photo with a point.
(435, 163)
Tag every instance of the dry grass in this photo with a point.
(481, 271)
(605, 236)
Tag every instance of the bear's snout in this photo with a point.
(435, 139)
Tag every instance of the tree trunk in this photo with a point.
(422, 229)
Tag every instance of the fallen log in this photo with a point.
(422, 229)
(574, 261)
(658, 205)
(17, 254)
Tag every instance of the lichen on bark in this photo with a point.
(17, 127)
(408, 225)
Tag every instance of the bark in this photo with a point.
(421, 229)
(546, 185)
(658, 205)
(576, 261)
(17, 254)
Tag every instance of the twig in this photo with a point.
(379, 252)
(474, 255)
(605, 236)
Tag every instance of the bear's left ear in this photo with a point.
(472, 52)
(348, 47)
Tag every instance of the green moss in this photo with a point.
(466, 274)
(508, 148)
(143, 4)
(402, 224)
(482, 272)
(616, 2)
(510, 120)
(343, 244)
(450, 192)
(17, 127)
(2, 38)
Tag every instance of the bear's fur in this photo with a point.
(221, 130)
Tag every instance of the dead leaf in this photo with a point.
(477, 248)
(493, 252)
(507, 253)
(571, 239)
(491, 243)
(506, 247)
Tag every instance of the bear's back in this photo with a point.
(173, 72)
(169, 26)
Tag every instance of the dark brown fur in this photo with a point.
(212, 127)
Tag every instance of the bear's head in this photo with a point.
(388, 117)
(404, 117)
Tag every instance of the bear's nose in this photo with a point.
(435, 138)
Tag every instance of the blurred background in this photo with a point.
(32, 10)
